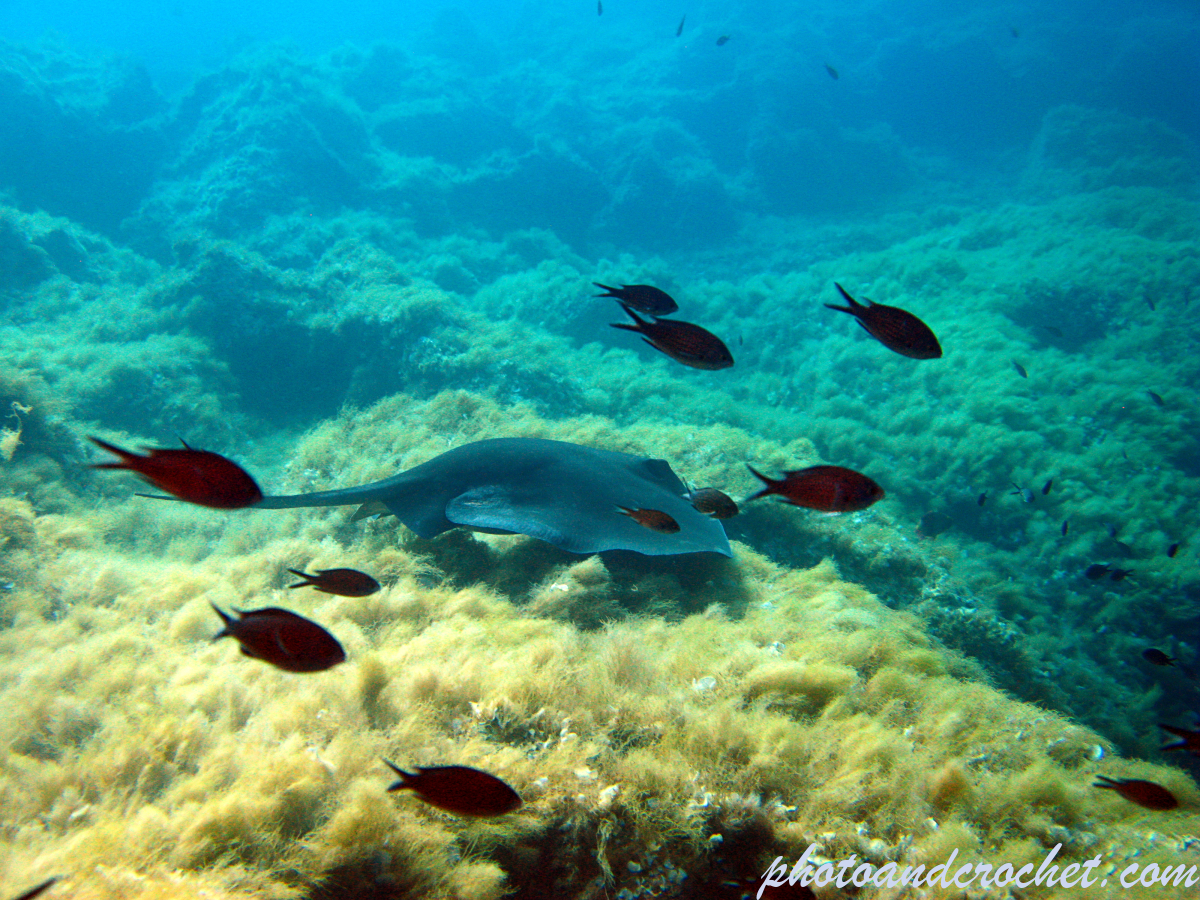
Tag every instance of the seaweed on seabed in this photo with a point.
(372, 877)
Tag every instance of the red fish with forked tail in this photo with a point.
(682, 341)
(458, 789)
(832, 489)
(1143, 793)
(196, 476)
(342, 582)
(897, 329)
(282, 638)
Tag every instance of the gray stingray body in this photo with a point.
(563, 493)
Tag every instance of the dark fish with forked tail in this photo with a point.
(897, 329)
(713, 502)
(682, 341)
(458, 789)
(1136, 790)
(642, 297)
(194, 476)
(342, 582)
(282, 638)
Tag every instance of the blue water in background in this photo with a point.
(949, 82)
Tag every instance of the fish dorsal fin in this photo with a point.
(371, 508)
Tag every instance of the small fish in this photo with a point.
(833, 73)
(1065, 525)
(599, 7)
(1157, 657)
(654, 519)
(682, 341)
(679, 30)
(934, 523)
(1025, 494)
(642, 297)
(824, 488)
(342, 582)
(1143, 793)
(1015, 32)
(1172, 550)
(194, 476)
(1157, 398)
(1150, 303)
(897, 329)
(458, 789)
(982, 499)
(1046, 487)
(1054, 332)
(1020, 369)
(1189, 740)
(1119, 574)
(713, 503)
(282, 638)
(1096, 571)
(723, 40)
(38, 890)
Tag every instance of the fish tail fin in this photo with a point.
(854, 304)
(770, 484)
(308, 579)
(1106, 782)
(125, 455)
(612, 291)
(405, 777)
(225, 617)
(625, 326)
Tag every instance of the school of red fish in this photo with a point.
(293, 643)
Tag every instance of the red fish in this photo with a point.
(682, 341)
(458, 789)
(196, 476)
(644, 297)
(825, 488)
(897, 329)
(1143, 793)
(343, 582)
(654, 519)
(283, 639)
(713, 503)
(1189, 740)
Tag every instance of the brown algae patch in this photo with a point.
(143, 760)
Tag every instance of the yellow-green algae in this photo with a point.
(773, 707)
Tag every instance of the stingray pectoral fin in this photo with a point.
(490, 508)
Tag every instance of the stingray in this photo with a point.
(566, 494)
